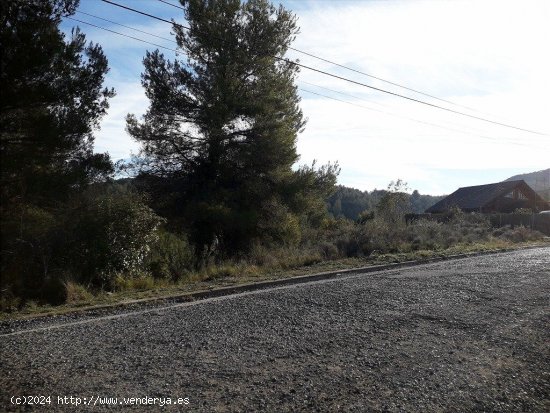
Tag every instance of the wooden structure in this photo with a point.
(502, 197)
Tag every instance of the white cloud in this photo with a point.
(486, 55)
(112, 136)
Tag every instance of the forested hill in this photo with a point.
(539, 181)
(350, 202)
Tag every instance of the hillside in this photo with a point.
(539, 181)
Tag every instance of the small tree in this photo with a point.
(395, 203)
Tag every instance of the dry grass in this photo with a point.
(339, 245)
(229, 274)
(77, 293)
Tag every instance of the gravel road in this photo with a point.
(468, 335)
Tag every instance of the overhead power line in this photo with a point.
(145, 14)
(491, 138)
(470, 132)
(380, 79)
(171, 4)
(173, 41)
(302, 89)
(123, 25)
(364, 73)
(416, 100)
(347, 79)
(301, 81)
(122, 34)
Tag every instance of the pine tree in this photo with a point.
(222, 125)
(52, 99)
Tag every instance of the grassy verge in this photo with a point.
(231, 274)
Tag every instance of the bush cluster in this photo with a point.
(111, 233)
(170, 257)
(341, 238)
(92, 240)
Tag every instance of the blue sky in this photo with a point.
(490, 56)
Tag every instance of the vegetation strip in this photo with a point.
(265, 284)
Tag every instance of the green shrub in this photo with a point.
(159, 269)
(112, 233)
(220, 271)
(170, 256)
(283, 257)
(9, 301)
(278, 226)
(54, 291)
(328, 250)
(261, 256)
(394, 204)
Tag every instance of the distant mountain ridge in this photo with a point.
(539, 181)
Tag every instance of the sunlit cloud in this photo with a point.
(484, 55)
(112, 136)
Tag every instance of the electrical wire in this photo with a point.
(474, 133)
(121, 34)
(170, 4)
(380, 79)
(362, 73)
(349, 80)
(490, 138)
(499, 140)
(128, 27)
(308, 83)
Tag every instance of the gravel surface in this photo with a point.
(466, 335)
